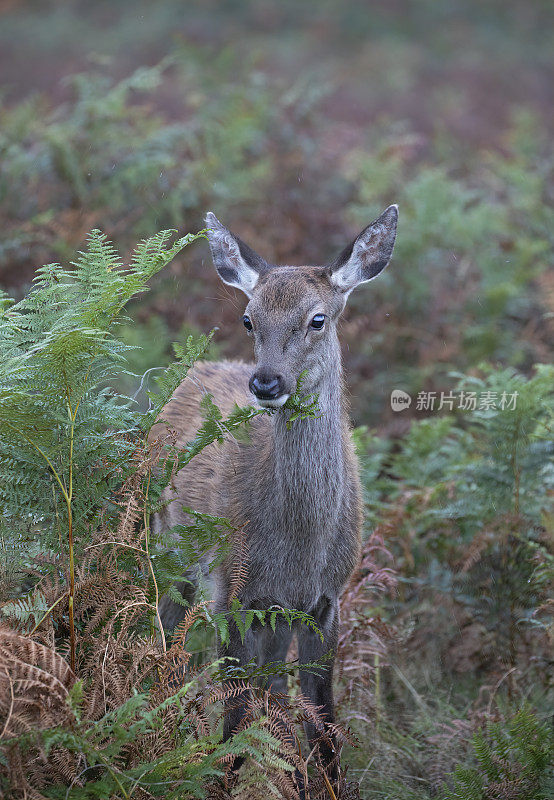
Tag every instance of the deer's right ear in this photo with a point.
(236, 263)
(368, 255)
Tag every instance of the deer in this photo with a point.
(294, 489)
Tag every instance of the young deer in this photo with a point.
(296, 490)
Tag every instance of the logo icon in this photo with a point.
(400, 400)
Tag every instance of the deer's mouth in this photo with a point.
(275, 402)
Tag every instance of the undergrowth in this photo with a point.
(465, 503)
(269, 119)
(97, 703)
(94, 700)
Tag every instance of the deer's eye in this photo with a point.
(247, 323)
(318, 321)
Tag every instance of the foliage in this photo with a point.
(473, 250)
(59, 355)
(108, 160)
(490, 475)
(300, 405)
(209, 128)
(80, 479)
(515, 759)
(297, 124)
(464, 501)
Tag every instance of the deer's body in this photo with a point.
(296, 492)
(294, 489)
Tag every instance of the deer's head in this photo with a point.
(292, 312)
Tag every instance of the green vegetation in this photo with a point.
(465, 503)
(79, 483)
(516, 758)
(297, 124)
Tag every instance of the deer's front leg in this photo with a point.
(317, 684)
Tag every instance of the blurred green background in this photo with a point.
(296, 123)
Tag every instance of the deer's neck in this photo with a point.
(309, 457)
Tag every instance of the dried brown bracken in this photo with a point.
(115, 659)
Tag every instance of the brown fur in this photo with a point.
(196, 484)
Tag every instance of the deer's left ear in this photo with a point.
(236, 263)
(367, 255)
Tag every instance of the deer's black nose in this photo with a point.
(266, 386)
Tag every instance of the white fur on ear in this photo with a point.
(368, 255)
(228, 258)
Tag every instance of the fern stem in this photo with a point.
(10, 710)
(42, 453)
(112, 770)
(52, 607)
(329, 787)
(71, 583)
(147, 548)
(67, 495)
(516, 470)
(119, 544)
(377, 666)
(69, 501)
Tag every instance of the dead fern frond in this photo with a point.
(477, 547)
(240, 563)
(225, 692)
(34, 685)
(363, 636)
(180, 633)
